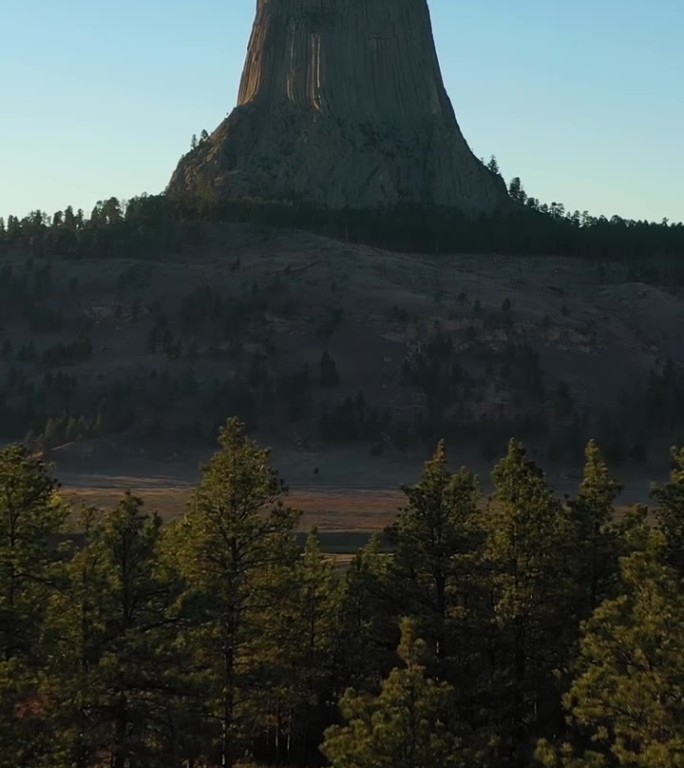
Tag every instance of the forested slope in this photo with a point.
(150, 323)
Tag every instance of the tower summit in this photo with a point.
(342, 105)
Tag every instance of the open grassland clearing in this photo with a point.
(345, 519)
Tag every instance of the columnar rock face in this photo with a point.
(342, 105)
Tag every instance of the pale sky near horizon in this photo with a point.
(584, 100)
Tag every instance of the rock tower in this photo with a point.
(342, 105)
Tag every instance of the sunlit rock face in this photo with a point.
(342, 105)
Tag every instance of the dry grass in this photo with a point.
(345, 519)
(170, 503)
(341, 512)
(346, 511)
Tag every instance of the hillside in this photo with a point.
(327, 346)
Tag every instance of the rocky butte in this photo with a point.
(341, 105)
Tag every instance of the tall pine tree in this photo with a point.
(115, 634)
(670, 511)
(595, 545)
(236, 550)
(528, 535)
(626, 702)
(31, 516)
(435, 539)
(411, 723)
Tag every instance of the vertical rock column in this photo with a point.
(342, 104)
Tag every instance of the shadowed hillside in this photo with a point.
(321, 343)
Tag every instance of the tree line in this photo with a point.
(522, 629)
(152, 225)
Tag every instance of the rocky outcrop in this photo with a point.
(342, 105)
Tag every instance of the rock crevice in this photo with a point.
(342, 105)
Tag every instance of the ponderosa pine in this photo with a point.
(235, 548)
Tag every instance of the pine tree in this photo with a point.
(235, 548)
(627, 695)
(301, 639)
(595, 545)
(409, 724)
(493, 165)
(115, 634)
(368, 633)
(318, 606)
(516, 191)
(432, 573)
(72, 620)
(670, 511)
(31, 515)
(528, 536)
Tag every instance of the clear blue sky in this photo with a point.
(584, 100)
